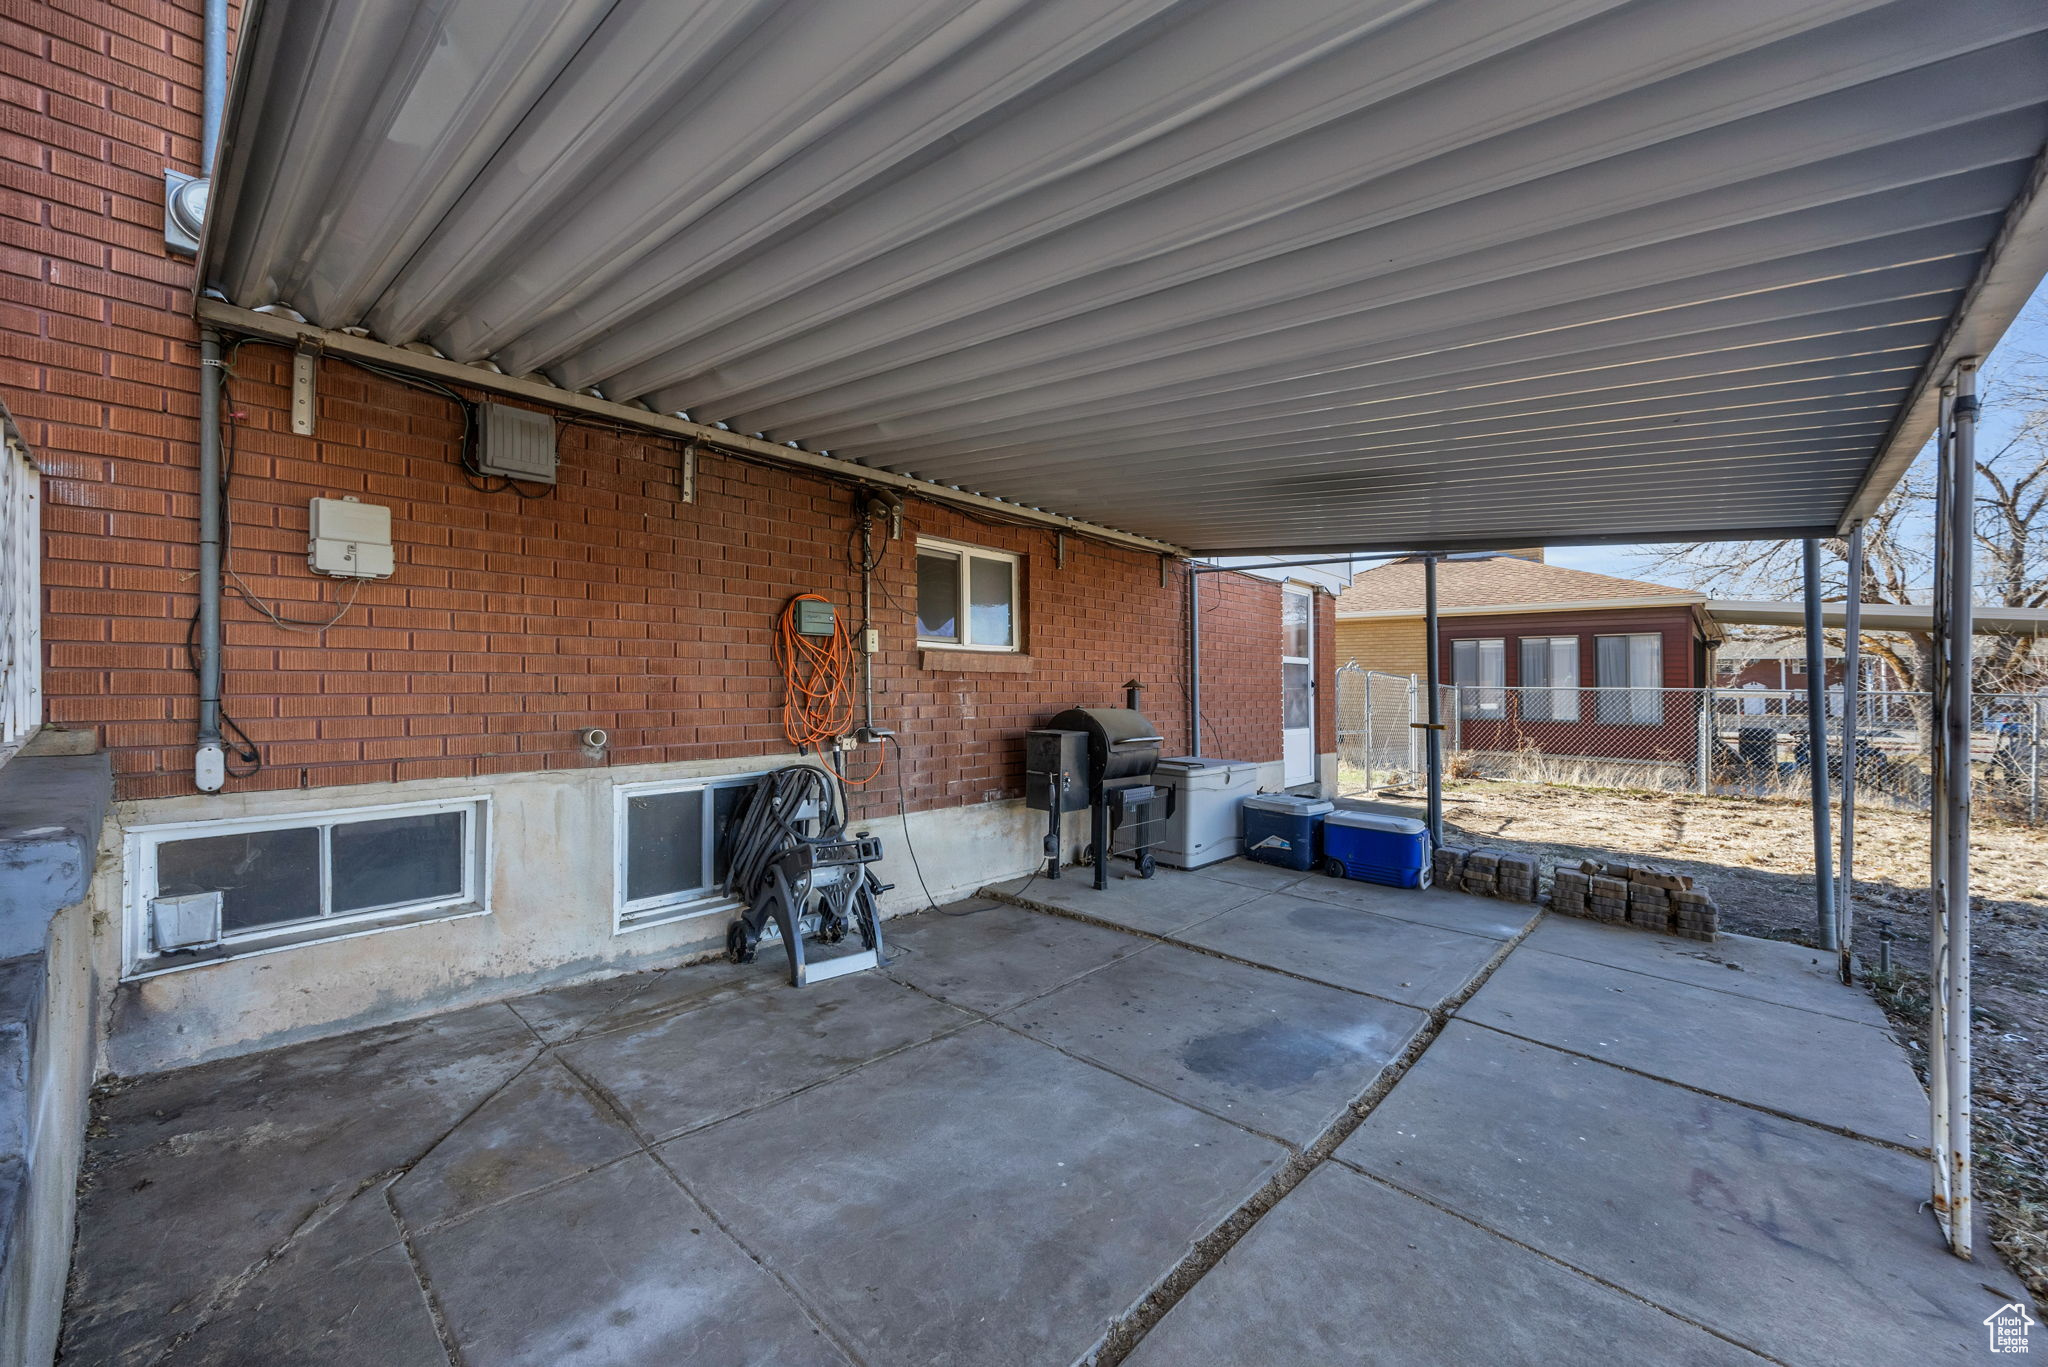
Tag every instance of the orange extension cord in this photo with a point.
(817, 674)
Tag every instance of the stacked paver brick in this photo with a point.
(1485, 873)
(1635, 894)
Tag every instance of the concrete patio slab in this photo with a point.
(989, 956)
(1416, 965)
(690, 986)
(561, 1013)
(1169, 902)
(1252, 874)
(1844, 1075)
(1347, 1270)
(1769, 970)
(196, 1178)
(1806, 1246)
(1460, 911)
(694, 1067)
(542, 1127)
(615, 1269)
(1279, 1055)
(384, 1319)
(980, 1199)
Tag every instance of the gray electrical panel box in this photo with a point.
(516, 442)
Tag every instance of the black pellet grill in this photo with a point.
(1102, 759)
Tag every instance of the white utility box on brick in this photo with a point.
(350, 540)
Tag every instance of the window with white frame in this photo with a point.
(669, 848)
(1550, 678)
(1630, 673)
(211, 890)
(967, 597)
(1479, 669)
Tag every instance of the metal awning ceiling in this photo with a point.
(1301, 274)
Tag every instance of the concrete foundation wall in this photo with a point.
(55, 1015)
(550, 921)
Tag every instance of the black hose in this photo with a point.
(767, 823)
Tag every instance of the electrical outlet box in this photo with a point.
(813, 618)
(349, 540)
(188, 922)
(871, 640)
(516, 442)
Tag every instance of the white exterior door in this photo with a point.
(1297, 685)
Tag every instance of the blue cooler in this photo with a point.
(1377, 849)
(1285, 830)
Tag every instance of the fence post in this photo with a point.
(2034, 766)
(1707, 738)
(1368, 732)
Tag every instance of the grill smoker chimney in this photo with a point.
(1134, 693)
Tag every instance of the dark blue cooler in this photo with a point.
(1284, 830)
(1393, 850)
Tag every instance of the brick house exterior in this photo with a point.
(509, 625)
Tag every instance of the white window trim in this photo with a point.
(666, 908)
(967, 552)
(141, 843)
(21, 594)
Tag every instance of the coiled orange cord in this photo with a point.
(817, 674)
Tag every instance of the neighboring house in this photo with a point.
(1543, 658)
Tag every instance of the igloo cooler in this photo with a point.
(1285, 830)
(1393, 850)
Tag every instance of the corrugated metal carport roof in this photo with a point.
(1302, 274)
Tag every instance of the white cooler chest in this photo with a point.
(1202, 826)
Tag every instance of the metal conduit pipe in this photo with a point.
(213, 82)
(1817, 747)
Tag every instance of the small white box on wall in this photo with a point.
(349, 540)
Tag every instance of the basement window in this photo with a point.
(205, 891)
(669, 850)
(967, 597)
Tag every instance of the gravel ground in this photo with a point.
(1757, 859)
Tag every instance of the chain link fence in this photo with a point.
(1735, 742)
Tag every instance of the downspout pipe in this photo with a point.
(209, 761)
(213, 82)
(1194, 660)
(209, 768)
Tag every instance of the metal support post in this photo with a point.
(1194, 661)
(1955, 709)
(1937, 819)
(1852, 706)
(1433, 734)
(1817, 749)
(2034, 740)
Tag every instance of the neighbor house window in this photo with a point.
(1550, 678)
(1630, 673)
(1479, 669)
(212, 890)
(670, 848)
(966, 597)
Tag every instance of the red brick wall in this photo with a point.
(510, 624)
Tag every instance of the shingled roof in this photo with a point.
(1499, 582)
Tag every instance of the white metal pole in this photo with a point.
(1937, 819)
(1961, 583)
(1852, 703)
(1433, 737)
(1817, 749)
